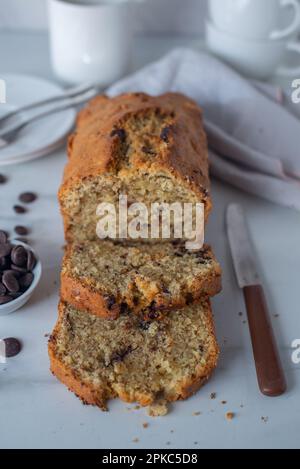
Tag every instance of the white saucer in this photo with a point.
(43, 136)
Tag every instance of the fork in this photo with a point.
(8, 136)
(71, 93)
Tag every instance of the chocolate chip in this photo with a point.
(3, 179)
(26, 280)
(16, 268)
(144, 325)
(12, 347)
(153, 315)
(19, 256)
(15, 295)
(120, 355)
(4, 263)
(5, 249)
(189, 298)
(110, 301)
(21, 230)
(5, 299)
(31, 261)
(2, 289)
(16, 273)
(124, 308)
(27, 197)
(10, 281)
(164, 135)
(19, 209)
(148, 150)
(120, 133)
(3, 237)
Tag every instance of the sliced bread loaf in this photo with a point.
(109, 279)
(151, 149)
(132, 359)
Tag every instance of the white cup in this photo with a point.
(254, 19)
(255, 59)
(90, 40)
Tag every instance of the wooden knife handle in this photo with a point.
(270, 375)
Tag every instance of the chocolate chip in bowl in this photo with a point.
(20, 272)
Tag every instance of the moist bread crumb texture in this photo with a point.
(153, 149)
(107, 279)
(137, 361)
(135, 319)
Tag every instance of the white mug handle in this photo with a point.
(295, 23)
(290, 71)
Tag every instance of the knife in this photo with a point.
(270, 375)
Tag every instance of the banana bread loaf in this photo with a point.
(107, 278)
(151, 149)
(134, 360)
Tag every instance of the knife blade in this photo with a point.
(270, 375)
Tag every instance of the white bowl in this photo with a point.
(16, 304)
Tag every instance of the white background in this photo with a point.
(178, 16)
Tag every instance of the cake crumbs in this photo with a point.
(196, 443)
(276, 315)
(240, 314)
(223, 402)
(213, 395)
(265, 419)
(137, 407)
(230, 416)
(158, 409)
(196, 413)
(47, 335)
(145, 425)
(135, 440)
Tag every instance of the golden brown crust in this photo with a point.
(92, 148)
(80, 294)
(93, 395)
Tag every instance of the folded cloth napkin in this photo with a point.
(254, 139)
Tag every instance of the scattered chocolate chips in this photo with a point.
(27, 197)
(120, 133)
(19, 209)
(21, 230)
(3, 179)
(3, 237)
(12, 347)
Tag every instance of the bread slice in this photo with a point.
(108, 279)
(151, 149)
(134, 360)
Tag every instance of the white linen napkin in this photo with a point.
(254, 140)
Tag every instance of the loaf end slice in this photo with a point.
(109, 279)
(135, 360)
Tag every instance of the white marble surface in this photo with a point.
(38, 412)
